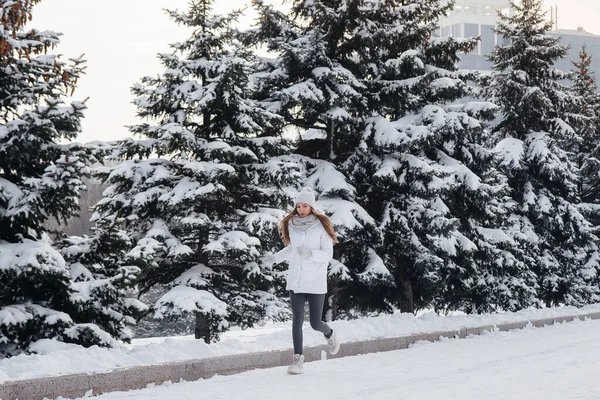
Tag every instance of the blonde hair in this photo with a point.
(325, 221)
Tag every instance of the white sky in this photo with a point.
(552, 363)
(120, 39)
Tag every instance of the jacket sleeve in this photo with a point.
(326, 252)
(283, 254)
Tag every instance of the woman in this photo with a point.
(309, 237)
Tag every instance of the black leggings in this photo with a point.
(315, 310)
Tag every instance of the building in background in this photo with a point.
(478, 18)
(475, 18)
(575, 39)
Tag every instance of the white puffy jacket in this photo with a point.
(307, 275)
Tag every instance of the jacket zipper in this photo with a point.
(301, 259)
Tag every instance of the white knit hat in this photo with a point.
(307, 196)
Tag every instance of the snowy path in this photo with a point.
(553, 363)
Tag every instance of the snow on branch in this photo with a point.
(345, 215)
(234, 240)
(20, 257)
(185, 299)
(326, 179)
(375, 268)
(510, 151)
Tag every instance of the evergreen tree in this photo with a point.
(102, 283)
(489, 270)
(399, 186)
(535, 134)
(586, 150)
(311, 86)
(201, 192)
(39, 178)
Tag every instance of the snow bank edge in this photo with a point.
(79, 385)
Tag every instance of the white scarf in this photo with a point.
(303, 223)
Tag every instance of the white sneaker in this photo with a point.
(334, 343)
(296, 367)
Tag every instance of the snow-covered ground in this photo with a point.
(553, 363)
(58, 358)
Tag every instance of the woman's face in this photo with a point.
(303, 209)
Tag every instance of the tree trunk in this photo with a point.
(333, 299)
(406, 300)
(202, 330)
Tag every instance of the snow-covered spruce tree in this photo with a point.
(534, 135)
(423, 171)
(311, 87)
(489, 270)
(586, 151)
(39, 178)
(103, 284)
(200, 192)
(446, 215)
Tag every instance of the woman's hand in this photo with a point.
(304, 252)
(269, 259)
